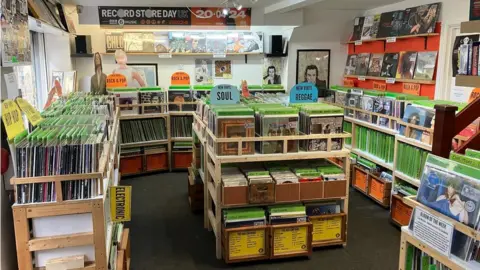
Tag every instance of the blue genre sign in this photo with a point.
(304, 93)
(224, 94)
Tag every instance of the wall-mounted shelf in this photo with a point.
(468, 81)
(86, 55)
(470, 27)
(396, 80)
(388, 38)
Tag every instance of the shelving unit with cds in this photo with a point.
(69, 192)
(225, 200)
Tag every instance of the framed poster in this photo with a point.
(15, 46)
(314, 66)
(148, 73)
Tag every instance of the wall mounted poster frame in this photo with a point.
(313, 65)
(15, 46)
(147, 71)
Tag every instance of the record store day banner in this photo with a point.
(135, 16)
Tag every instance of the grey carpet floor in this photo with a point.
(166, 235)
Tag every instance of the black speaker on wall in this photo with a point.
(277, 44)
(83, 45)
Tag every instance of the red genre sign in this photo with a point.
(180, 78)
(379, 86)
(411, 88)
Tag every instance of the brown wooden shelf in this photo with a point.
(470, 27)
(399, 37)
(468, 81)
(396, 80)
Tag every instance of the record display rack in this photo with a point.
(216, 194)
(358, 77)
(132, 165)
(98, 207)
(390, 39)
(452, 261)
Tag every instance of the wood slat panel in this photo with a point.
(62, 241)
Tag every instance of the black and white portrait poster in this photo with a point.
(203, 71)
(272, 70)
(314, 66)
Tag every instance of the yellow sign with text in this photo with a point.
(290, 240)
(246, 243)
(12, 118)
(121, 203)
(327, 229)
(33, 115)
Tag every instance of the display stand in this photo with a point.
(98, 207)
(218, 197)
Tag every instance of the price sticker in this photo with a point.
(224, 94)
(165, 55)
(391, 39)
(358, 42)
(33, 115)
(390, 80)
(362, 78)
(12, 118)
(304, 93)
(219, 55)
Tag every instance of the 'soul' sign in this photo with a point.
(304, 93)
(224, 94)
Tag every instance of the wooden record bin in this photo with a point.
(291, 240)
(400, 212)
(379, 190)
(360, 179)
(328, 230)
(246, 244)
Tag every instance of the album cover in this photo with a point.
(161, 42)
(357, 28)
(236, 128)
(138, 41)
(363, 61)
(216, 42)
(391, 24)
(375, 67)
(389, 65)
(152, 97)
(180, 96)
(382, 105)
(196, 42)
(370, 27)
(367, 103)
(326, 125)
(351, 64)
(223, 69)
(253, 42)
(177, 42)
(425, 67)
(279, 126)
(460, 53)
(416, 116)
(127, 98)
(421, 19)
(406, 65)
(474, 10)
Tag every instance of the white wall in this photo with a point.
(57, 48)
(452, 14)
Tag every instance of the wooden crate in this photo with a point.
(335, 189)
(245, 244)
(261, 193)
(155, 162)
(329, 230)
(123, 252)
(311, 190)
(131, 165)
(291, 240)
(232, 196)
(181, 160)
(288, 192)
(360, 179)
(379, 190)
(400, 212)
(26, 244)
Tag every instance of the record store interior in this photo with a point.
(240, 134)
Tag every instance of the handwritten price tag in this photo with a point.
(379, 86)
(358, 43)
(391, 39)
(390, 80)
(362, 78)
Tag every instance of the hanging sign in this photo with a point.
(116, 80)
(119, 16)
(246, 243)
(379, 86)
(224, 94)
(180, 78)
(327, 229)
(348, 83)
(32, 114)
(432, 230)
(12, 118)
(411, 88)
(121, 203)
(290, 240)
(304, 93)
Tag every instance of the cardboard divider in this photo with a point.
(311, 190)
(288, 192)
(234, 195)
(335, 189)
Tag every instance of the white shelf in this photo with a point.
(371, 126)
(373, 159)
(407, 178)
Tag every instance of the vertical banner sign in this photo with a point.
(224, 94)
(432, 230)
(379, 86)
(246, 243)
(116, 81)
(327, 229)
(290, 240)
(180, 78)
(411, 88)
(120, 203)
(304, 93)
(348, 83)
(12, 118)
(33, 115)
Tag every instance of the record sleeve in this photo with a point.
(216, 42)
(389, 65)
(357, 28)
(391, 24)
(177, 42)
(363, 61)
(375, 67)
(253, 42)
(425, 67)
(406, 65)
(351, 64)
(196, 42)
(161, 42)
(474, 10)
(421, 19)
(460, 53)
(370, 27)
(138, 41)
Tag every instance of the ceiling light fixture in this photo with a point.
(225, 11)
(237, 5)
